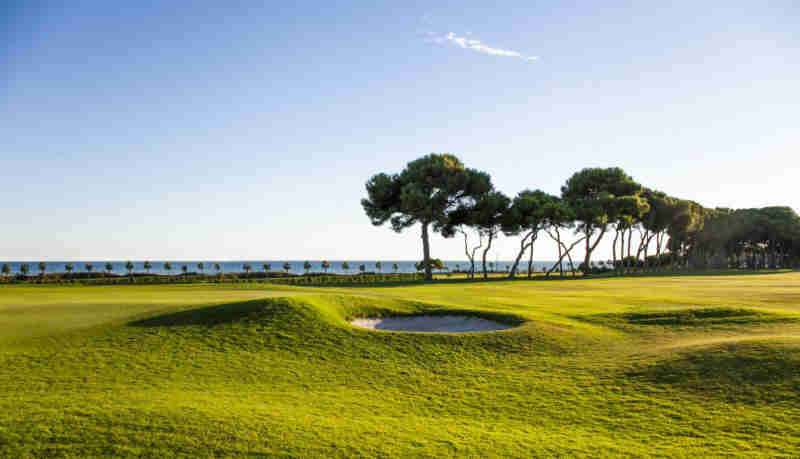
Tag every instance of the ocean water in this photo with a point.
(296, 267)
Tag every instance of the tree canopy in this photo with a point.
(530, 213)
(427, 191)
(600, 196)
(440, 193)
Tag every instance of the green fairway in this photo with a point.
(682, 366)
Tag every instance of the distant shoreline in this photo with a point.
(295, 266)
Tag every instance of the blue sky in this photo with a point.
(203, 130)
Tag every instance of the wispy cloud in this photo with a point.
(476, 45)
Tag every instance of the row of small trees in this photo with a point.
(24, 268)
(442, 195)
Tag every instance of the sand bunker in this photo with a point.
(440, 324)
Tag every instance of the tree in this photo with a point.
(287, 267)
(655, 222)
(68, 267)
(267, 267)
(362, 268)
(88, 267)
(109, 267)
(623, 225)
(395, 267)
(167, 267)
(345, 266)
(148, 266)
(558, 215)
(486, 216)
(201, 267)
(325, 266)
(651, 223)
(378, 266)
(436, 264)
(425, 192)
(768, 237)
(246, 267)
(307, 266)
(470, 251)
(218, 268)
(599, 196)
(530, 213)
(688, 221)
(42, 268)
(185, 269)
(129, 266)
(6, 269)
(24, 269)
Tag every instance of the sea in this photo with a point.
(296, 266)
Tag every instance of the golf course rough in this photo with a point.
(662, 366)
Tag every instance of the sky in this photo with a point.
(247, 130)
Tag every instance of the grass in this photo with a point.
(657, 366)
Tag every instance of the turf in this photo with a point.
(670, 366)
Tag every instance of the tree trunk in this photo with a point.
(640, 247)
(556, 238)
(659, 242)
(523, 246)
(643, 238)
(630, 236)
(426, 252)
(590, 247)
(485, 251)
(571, 265)
(622, 261)
(588, 256)
(614, 251)
(530, 260)
(471, 255)
(566, 252)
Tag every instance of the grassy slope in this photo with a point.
(600, 368)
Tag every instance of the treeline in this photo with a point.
(247, 270)
(753, 238)
(361, 274)
(311, 279)
(651, 229)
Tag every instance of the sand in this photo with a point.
(440, 324)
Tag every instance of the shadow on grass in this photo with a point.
(747, 373)
(217, 314)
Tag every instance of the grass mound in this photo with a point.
(744, 372)
(316, 326)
